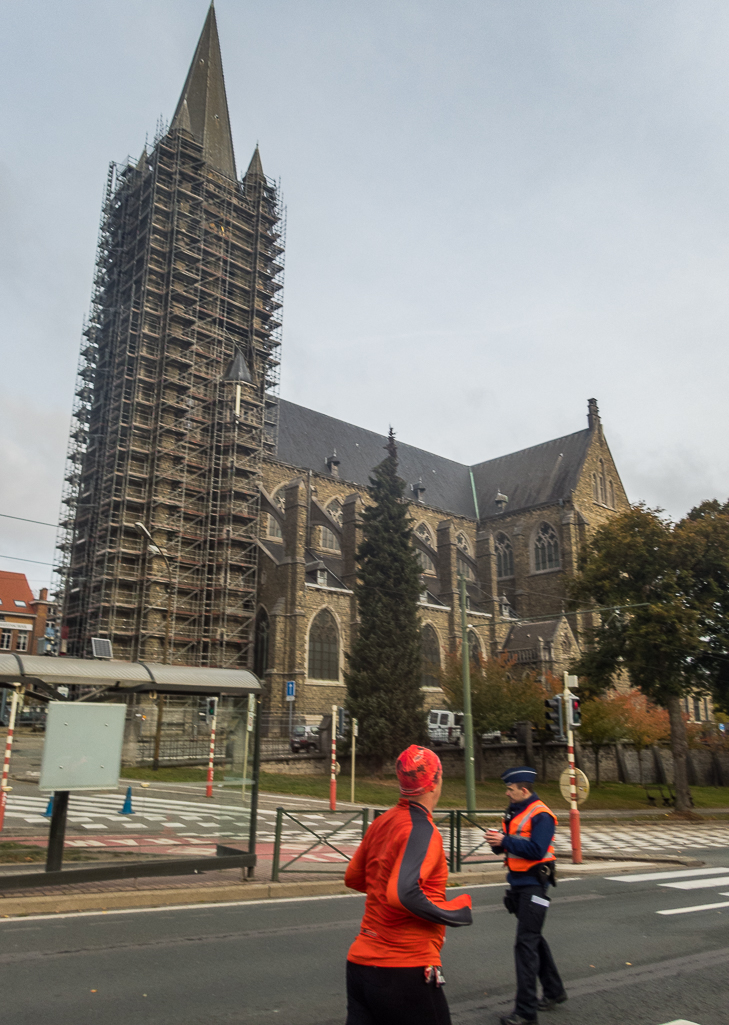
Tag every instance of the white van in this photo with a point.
(445, 727)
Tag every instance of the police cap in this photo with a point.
(521, 774)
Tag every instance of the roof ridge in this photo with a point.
(531, 448)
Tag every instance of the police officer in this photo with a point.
(525, 838)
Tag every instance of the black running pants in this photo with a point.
(393, 996)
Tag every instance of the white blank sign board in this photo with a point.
(83, 746)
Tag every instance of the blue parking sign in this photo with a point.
(291, 690)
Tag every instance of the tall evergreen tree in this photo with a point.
(385, 662)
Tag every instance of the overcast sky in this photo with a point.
(496, 210)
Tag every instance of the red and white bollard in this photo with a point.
(6, 761)
(575, 839)
(333, 767)
(211, 760)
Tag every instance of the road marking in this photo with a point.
(696, 884)
(680, 1021)
(696, 907)
(636, 877)
(9, 919)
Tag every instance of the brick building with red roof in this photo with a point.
(25, 621)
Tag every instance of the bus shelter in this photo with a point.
(145, 817)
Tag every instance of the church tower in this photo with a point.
(176, 395)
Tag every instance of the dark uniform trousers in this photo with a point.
(531, 951)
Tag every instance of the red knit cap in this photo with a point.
(418, 771)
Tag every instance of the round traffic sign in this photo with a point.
(581, 781)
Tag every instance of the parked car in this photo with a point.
(33, 716)
(304, 738)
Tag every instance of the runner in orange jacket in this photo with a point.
(394, 965)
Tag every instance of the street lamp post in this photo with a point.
(155, 549)
(467, 715)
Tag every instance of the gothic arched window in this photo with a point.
(504, 555)
(611, 494)
(431, 657)
(546, 548)
(329, 540)
(273, 528)
(335, 511)
(595, 490)
(464, 568)
(423, 531)
(462, 542)
(601, 481)
(323, 647)
(427, 565)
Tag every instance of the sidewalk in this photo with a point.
(227, 887)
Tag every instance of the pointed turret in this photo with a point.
(255, 168)
(203, 107)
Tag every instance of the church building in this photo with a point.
(208, 521)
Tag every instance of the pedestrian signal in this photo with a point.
(575, 713)
(553, 715)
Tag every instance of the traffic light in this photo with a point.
(342, 723)
(553, 714)
(574, 713)
(211, 709)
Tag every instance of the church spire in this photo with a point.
(202, 109)
(255, 168)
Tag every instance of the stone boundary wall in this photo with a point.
(619, 763)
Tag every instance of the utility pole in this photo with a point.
(155, 549)
(575, 839)
(467, 716)
(355, 734)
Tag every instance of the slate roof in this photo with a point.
(306, 438)
(524, 635)
(539, 475)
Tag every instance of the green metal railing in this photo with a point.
(442, 819)
(454, 824)
(321, 838)
(466, 846)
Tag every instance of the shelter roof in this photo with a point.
(129, 676)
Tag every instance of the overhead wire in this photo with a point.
(24, 519)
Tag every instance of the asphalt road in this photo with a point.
(283, 961)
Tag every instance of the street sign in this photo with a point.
(291, 690)
(581, 781)
(83, 746)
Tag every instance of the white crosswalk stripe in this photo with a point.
(684, 879)
(100, 813)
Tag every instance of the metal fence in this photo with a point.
(464, 842)
(321, 838)
(470, 839)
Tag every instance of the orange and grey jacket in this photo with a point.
(401, 867)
